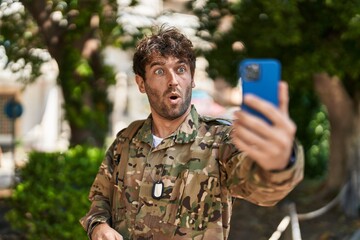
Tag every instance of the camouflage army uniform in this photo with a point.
(201, 170)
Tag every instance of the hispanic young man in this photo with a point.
(182, 170)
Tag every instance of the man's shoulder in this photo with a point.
(131, 129)
(215, 121)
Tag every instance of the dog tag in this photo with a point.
(157, 190)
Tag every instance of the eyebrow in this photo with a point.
(155, 63)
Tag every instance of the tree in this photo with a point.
(74, 34)
(317, 43)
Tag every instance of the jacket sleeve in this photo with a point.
(101, 194)
(245, 179)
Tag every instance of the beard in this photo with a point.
(161, 105)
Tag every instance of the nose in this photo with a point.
(173, 79)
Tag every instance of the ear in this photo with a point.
(192, 83)
(140, 82)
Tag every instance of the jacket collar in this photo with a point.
(185, 133)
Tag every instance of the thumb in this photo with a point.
(284, 97)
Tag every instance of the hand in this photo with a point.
(104, 232)
(268, 145)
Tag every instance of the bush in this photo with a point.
(318, 146)
(52, 194)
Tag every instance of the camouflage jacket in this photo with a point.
(202, 171)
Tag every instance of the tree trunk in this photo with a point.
(82, 75)
(341, 117)
(350, 199)
(88, 110)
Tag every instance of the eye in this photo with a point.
(159, 71)
(182, 69)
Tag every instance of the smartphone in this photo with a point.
(260, 77)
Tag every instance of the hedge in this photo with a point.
(52, 194)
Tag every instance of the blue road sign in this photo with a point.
(13, 109)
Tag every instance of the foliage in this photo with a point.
(317, 148)
(73, 33)
(308, 37)
(18, 32)
(52, 194)
(310, 116)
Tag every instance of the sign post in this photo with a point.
(13, 110)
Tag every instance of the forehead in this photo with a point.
(158, 59)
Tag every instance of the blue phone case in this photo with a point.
(260, 77)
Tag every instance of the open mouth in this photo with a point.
(174, 97)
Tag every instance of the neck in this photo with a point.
(162, 127)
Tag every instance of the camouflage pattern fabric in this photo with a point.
(202, 172)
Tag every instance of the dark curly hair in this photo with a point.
(167, 42)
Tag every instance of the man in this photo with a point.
(183, 170)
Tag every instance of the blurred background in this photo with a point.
(67, 88)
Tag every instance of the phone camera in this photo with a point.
(252, 72)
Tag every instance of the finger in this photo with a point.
(252, 151)
(274, 114)
(265, 138)
(266, 108)
(277, 153)
(248, 136)
(253, 123)
(263, 130)
(284, 97)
